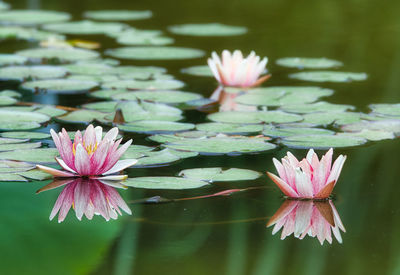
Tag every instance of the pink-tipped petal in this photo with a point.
(336, 169)
(121, 165)
(285, 188)
(65, 166)
(55, 172)
(89, 138)
(112, 134)
(54, 184)
(81, 198)
(282, 212)
(303, 184)
(99, 156)
(82, 161)
(98, 130)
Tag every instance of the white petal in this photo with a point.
(121, 165)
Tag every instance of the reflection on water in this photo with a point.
(87, 197)
(314, 218)
(227, 101)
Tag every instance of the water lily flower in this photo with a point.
(314, 218)
(87, 197)
(236, 71)
(90, 155)
(309, 178)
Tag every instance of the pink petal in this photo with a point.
(113, 156)
(65, 166)
(285, 188)
(81, 198)
(54, 184)
(121, 165)
(280, 169)
(99, 201)
(336, 169)
(55, 172)
(67, 148)
(116, 200)
(303, 217)
(303, 184)
(67, 202)
(82, 161)
(99, 156)
(286, 207)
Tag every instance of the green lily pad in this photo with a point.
(386, 125)
(7, 100)
(132, 70)
(329, 76)
(144, 85)
(118, 15)
(93, 78)
(17, 120)
(88, 68)
(12, 59)
(155, 53)
(370, 134)
(321, 106)
(229, 128)
(19, 146)
(164, 183)
(390, 110)
(36, 174)
(4, 6)
(32, 17)
(159, 96)
(208, 29)
(134, 39)
(49, 110)
(216, 174)
(29, 34)
(62, 55)
(10, 93)
(202, 70)
(25, 135)
(40, 155)
(85, 27)
(308, 63)
(31, 72)
(66, 86)
(325, 118)
(106, 94)
(218, 145)
(254, 117)
(10, 141)
(81, 116)
(322, 141)
(152, 126)
(294, 131)
(161, 158)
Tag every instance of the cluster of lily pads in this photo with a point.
(148, 100)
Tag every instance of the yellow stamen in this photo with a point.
(90, 149)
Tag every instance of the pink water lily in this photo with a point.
(90, 155)
(309, 178)
(236, 71)
(314, 218)
(87, 197)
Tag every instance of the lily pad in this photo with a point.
(144, 85)
(10, 93)
(321, 106)
(25, 135)
(164, 183)
(88, 68)
(17, 120)
(322, 141)
(106, 94)
(219, 144)
(387, 125)
(7, 100)
(40, 155)
(159, 96)
(85, 27)
(370, 134)
(202, 70)
(66, 86)
(254, 117)
(142, 40)
(329, 76)
(161, 158)
(81, 116)
(12, 59)
(63, 55)
(118, 15)
(19, 146)
(155, 53)
(308, 63)
(32, 17)
(294, 131)
(229, 128)
(325, 118)
(390, 110)
(208, 29)
(31, 72)
(216, 174)
(151, 127)
(29, 34)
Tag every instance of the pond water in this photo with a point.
(225, 234)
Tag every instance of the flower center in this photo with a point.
(90, 149)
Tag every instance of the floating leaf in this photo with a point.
(81, 116)
(321, 106)
(151, 126)
(17, 120)
(254, 117)
(36, 174)
(229, 128)
(370, 134)
(387, 125)
(219, 174)
(325, 118)
(66, 86)
(12, 59)
(390, 110)
(118, 15)
(88, 68)
(10, 93)
(64, 55)
(164, 183)
(294, 131)
(202, 70)
(208, 29)
(163, 157)
(329, 76)
(155, 53)
(144, 85)
(40, 155)
(30, 34)
(19, 146)
(85, 27)
(159, 96)
(49, 110)
(308, 63)
(25, 135)
(322, 141)
(7, 100)
(26, 72)
(32, 17)
(134, 39)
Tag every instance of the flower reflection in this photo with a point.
(227, 101)
(87, 197)
(308, 178)
(90, 155)
(236, 71)
(314, 218)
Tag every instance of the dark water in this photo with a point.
(228, 235)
